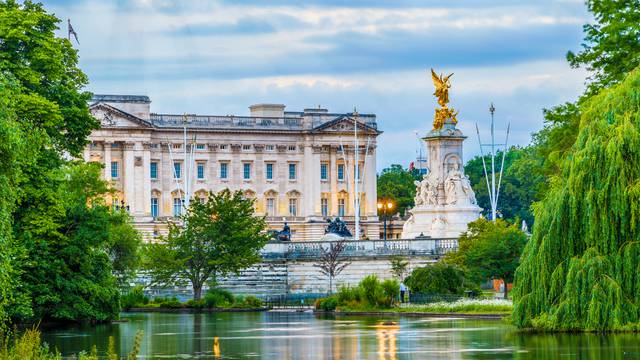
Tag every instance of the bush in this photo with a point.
(370, 288)
(172, 303)
(218, 298)
(252, 302)
(134, 298)
(348, 295)
(439, 278)
(327, 304)
(391, 289)
(196, 304)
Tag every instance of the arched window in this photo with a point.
(270, 202)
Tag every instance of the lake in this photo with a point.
(281, 335)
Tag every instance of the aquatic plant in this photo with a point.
(581, 268)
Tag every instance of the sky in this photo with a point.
(219, 57)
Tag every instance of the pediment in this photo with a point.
(110, 117)
(345, 124)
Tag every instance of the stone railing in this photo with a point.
(362, 248)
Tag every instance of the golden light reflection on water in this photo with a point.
(216, 347)
(386, 335)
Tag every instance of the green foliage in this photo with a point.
(581, 268)
(28, 345)
(399, 267)
(489, 250)
(252, 302)
(327, 304)
(396, 184)
(219, 236)
(611, 45)
(519, 187)
(438, 278)
(58, 260)
(371, 293)
(218, 298)
(134, 298)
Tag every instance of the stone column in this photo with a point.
(128, 176)
(146, 178)
(333, 176)
(370, 208)
(107, 160)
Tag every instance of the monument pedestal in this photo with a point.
(439, 221)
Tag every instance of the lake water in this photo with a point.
(278, 335)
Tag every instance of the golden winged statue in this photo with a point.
(442, 85)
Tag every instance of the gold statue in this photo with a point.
(442, 85)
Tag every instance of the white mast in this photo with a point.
(356, 176)
(186, 165)
(494, 191)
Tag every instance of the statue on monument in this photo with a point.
(457, 188)
(442, 85)
(426, 190)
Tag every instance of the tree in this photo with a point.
(396, 184)
(330, 263)
(216, 238)
(611, 44)
(519, 187)
(438, 278)
(581, 269)
(61, 252)
(489, 250)
(399, 267)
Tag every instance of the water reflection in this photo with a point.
(305, 336)
(386, 334)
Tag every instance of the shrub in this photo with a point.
(439, 278)
(196, 304)
(134, 298)
(391, 289)
(172, 303)
(252, 302)
(327, 304)
(218, 298)
(370, 289)
(348, 295)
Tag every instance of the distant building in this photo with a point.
(299, 166)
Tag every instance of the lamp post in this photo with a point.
(385, 207)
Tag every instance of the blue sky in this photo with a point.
(219, 57)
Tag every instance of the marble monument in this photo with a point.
(445, 202)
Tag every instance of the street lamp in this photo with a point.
(385, 207)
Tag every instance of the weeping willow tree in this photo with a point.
(581, 268)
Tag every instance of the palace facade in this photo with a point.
(299, 166)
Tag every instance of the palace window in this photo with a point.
(340, 172)
(114, 169)
(292, 148)
(292, 171)
(324, 172)
(200, 146)
(115, 145)
(154, 207)
(246, 171)
(324, 206)
(177, 146)
(269, 171)
(341, 207)
(224, 170)
(177, 206)
(271, 206)
(246, 147)
(270, 147)
(153, 169)
(223, 147)
(293, 207)
(200, 169)
(177, 170)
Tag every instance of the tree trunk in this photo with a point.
(330, 284)
(197, 292)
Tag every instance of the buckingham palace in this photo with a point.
(299, 166)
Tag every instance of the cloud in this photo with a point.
(218, 57)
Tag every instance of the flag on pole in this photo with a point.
(71, 31)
